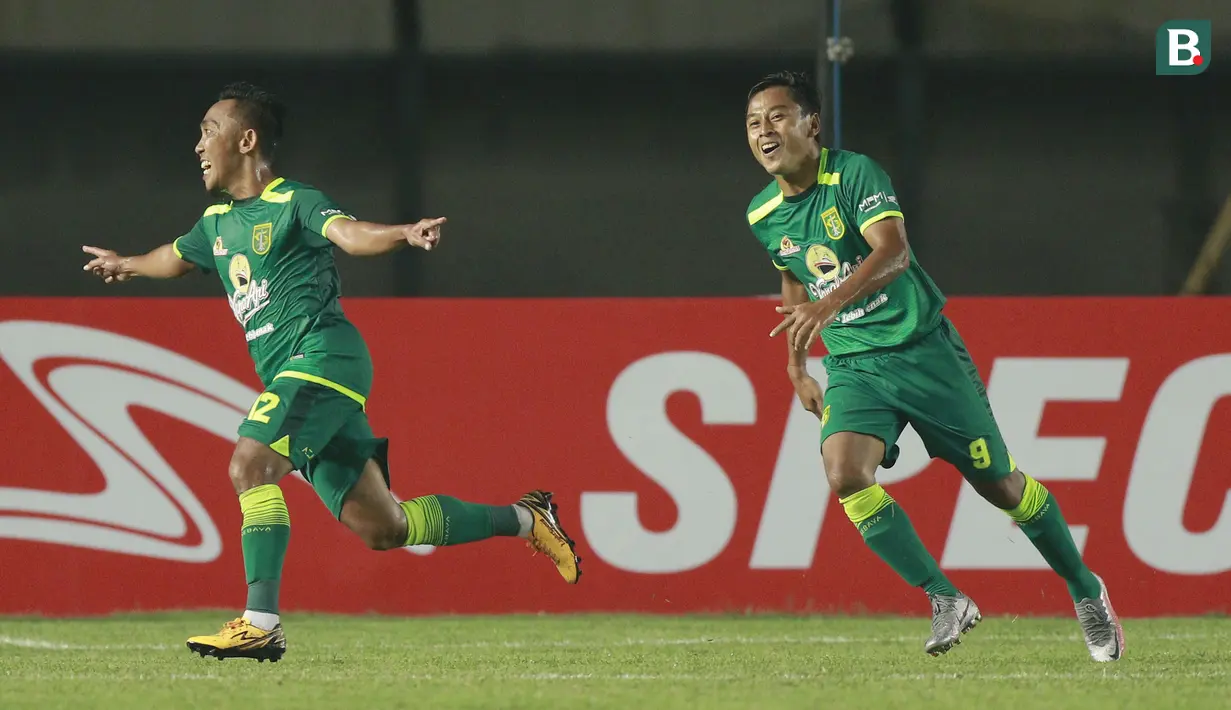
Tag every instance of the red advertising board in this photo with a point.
(682, 464)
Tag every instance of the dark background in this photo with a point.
(1031, 156)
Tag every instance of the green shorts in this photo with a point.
(324, 432)
(931, 384)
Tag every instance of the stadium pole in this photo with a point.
(836, 51)
(836, 68)
(407, 132)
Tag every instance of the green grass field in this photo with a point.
(637, 662)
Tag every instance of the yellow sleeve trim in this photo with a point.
(780, 267)
(325, 226)
(876, 218)
(175, 247)
(294, 374)
(759, 213)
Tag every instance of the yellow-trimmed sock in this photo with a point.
(265, 534)
(1039, 516)
(445, 520)
(888, 532)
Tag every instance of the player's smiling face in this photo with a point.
(219, 147)
(781, 136)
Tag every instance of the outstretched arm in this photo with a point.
(371, 239)
(161, 263)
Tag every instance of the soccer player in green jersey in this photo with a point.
(834, 228)
(272, 242)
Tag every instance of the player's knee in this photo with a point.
(254, 464)
(385, 535)
(379, 528)
(847, 476)
(1004, 493)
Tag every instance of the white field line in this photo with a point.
(1045, 675)
(48, 645)
(642, 677)
(44, 645)
(739, 640)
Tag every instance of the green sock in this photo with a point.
(265, 535)
(888, 532)
(444, 520)
(1038, 515)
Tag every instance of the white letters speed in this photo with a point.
(980, 537)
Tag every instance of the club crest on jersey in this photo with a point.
(822, 262)
(219, 250)
(834, 228)
(787, 247)
(262, 238)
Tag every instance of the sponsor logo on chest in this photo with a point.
(247, 297)
(787, 247)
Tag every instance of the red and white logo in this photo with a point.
(681, 460)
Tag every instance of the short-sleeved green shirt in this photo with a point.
(278, 270)
(818, 237)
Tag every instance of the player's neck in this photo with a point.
(800, 181)
(252, 182)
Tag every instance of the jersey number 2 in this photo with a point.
(262, 406)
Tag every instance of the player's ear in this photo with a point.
(814, 126)
(247, 141)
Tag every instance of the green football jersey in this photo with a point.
(818, 237)
(278, 270)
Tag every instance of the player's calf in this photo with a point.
(1037, 514)
(266, 532)
(371, 512)
(851, 460)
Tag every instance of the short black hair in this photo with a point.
(802, 88)
(261, 110)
